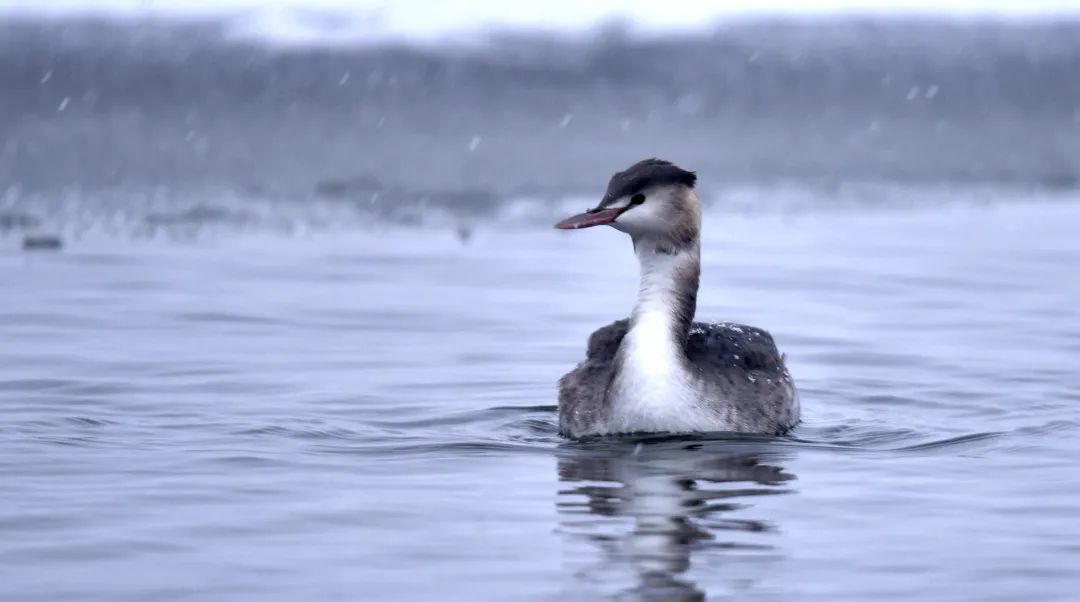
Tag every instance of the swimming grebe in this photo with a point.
(659, 371)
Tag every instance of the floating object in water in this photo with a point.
(464, 234)
(42, 242)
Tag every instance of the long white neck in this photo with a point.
(667, 296)
(653, 384)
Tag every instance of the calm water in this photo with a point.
(301, 342)
(368, 413)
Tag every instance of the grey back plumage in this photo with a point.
(741, 365)
(583, 392)
(734, 364)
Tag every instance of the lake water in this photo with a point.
(369, 413)
(302, 338)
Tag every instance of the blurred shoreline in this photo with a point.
(101, 110)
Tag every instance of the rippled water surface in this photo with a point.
(302, 337)
(368, 413)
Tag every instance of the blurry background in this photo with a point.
(282, 311)
(387, 107)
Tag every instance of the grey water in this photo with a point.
(302, 335)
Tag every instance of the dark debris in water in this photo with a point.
(42, 242)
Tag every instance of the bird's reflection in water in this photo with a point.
(651, 505)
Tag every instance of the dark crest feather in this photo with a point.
(643, 174)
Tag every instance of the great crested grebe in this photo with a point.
(659, 371)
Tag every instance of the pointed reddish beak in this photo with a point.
(592, 217)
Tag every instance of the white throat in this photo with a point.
(654, 389)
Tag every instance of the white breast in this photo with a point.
(654, 390)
